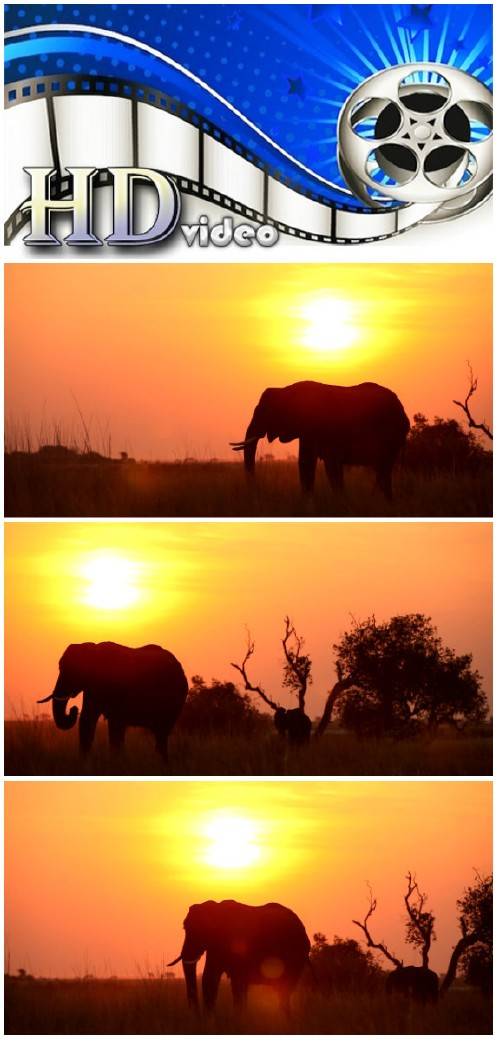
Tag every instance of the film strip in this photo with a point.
(62, 121)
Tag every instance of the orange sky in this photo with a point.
(99, 875)
(194, 587)
(170, 359)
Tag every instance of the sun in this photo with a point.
(328, 323)
(232, 841)
(111, 581)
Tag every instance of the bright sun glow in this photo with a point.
(232, 841)
(110, 581)
(328, 323)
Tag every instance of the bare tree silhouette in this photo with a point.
(466, 407)
(420, 924)
(379, 945)
(242, 670)
(294, 724)
(416, 982)
(476, 928)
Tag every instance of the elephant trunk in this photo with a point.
(250, 449)
(189, 967)
(64, 720)
(248, 446)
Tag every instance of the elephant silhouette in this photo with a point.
(129, 687)
(264, 944)
(414, 982)
(294, 725)
(364, 425)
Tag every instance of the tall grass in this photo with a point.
(36, 487)
(34, 747)
(159, 1007)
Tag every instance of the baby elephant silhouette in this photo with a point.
(414, 982)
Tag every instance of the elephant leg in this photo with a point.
(87, 725)
(210, 983)
(239, 989)
(307, 465)
(116, 735)
(384, 479)
(161, 743)
(284, 1001)
(335, 472)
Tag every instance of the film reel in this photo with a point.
(72, 121)
(419, 134)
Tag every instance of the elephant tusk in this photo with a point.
(53, 698)
(236, 445)
(175, 961)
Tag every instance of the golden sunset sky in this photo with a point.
(169, 360)
(195, 587)
(99, 875)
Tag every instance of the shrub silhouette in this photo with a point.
(445, 446)
(219, 708)
(343, 965)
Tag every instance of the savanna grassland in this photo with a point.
(118, 1007)
(98, 487)
(36, 747)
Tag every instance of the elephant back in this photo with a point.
(144, 684)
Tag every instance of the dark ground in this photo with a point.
(39, 487)
(60, 1007)
(34, 747)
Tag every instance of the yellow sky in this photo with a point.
(99, 875)
(194, 587)
(171, 359)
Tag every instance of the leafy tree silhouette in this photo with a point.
(474, 951)
(405, 678)
(393, 678)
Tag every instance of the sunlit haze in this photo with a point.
(168, 361)
(195, 588)
(99, 875)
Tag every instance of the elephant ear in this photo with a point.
(75, 655)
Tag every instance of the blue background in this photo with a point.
(288, 68)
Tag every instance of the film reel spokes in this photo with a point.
(419, 133)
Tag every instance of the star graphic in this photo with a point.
(316, 11)
(418, 20)
(296, 86)
(234, 20)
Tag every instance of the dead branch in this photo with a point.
(466, 409)
(299, 665)
(242, 670)
(381, 947)
(423, 922)
(342, 684)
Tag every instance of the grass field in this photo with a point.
(37, 747)
(42, 488)
(159, 1007)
